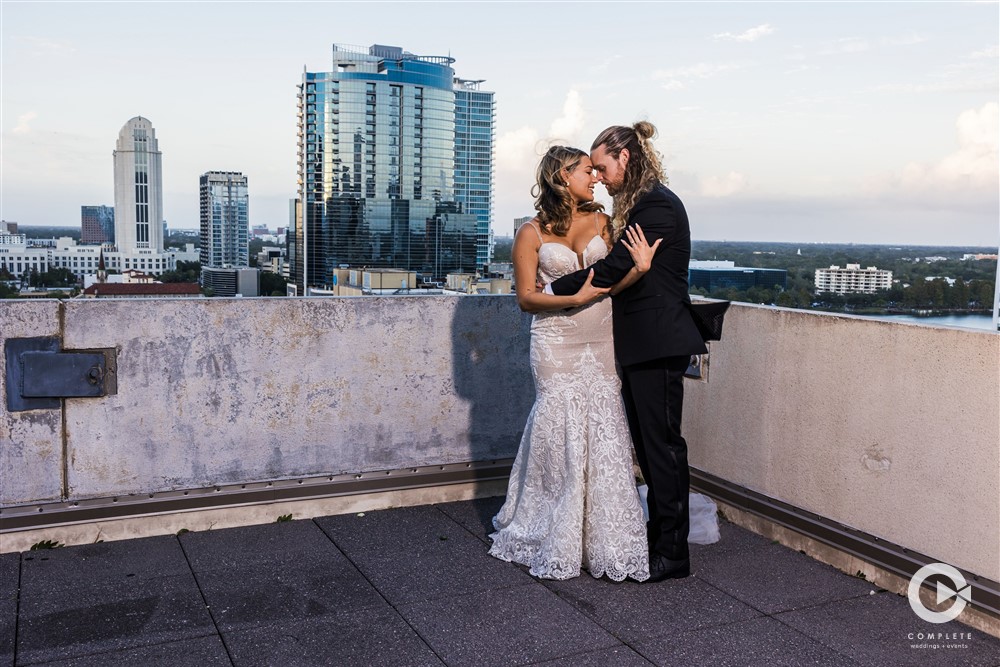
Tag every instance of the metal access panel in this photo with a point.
(39, 374)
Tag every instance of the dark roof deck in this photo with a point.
(415, 586)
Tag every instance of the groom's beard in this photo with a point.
(613, 188)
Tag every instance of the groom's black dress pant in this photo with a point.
(653, 392)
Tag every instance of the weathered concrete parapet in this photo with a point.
(890, 428)
(31, 452)
(221, 391)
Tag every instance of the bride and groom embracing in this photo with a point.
(572, 501)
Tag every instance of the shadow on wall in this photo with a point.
(490, 364)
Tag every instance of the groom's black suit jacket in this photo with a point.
(651, 319)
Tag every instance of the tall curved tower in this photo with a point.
(138, 188)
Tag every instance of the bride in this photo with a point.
(572, 499)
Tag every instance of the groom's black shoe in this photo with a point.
(661, 567)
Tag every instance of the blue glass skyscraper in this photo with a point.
(378, 169)
(474, 129)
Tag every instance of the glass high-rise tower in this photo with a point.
(225, 225)
(474, 130)
(383, 180)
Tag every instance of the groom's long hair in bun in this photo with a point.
(643, 171)
(553, 200)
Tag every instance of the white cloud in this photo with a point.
(23, 123)
(520, 149)
(515, 147)
(42, 46)
(723, 186)
(988, 52)
(952, 86)
(908, 40)
(571, 122)
(699, 71)
(606, 64)
(971, 168)
(673, 84)
(751, 35)
(846, 45)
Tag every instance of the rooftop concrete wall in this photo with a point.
(890, 428)
(222, 391)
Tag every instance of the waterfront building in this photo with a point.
(97, 225)
(711, 275)
(378, 161)
(852, 279)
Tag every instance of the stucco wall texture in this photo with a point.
(30, 441)
(889, 428)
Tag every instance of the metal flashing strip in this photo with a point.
(47, 515)
(881, 553)
(869, 548)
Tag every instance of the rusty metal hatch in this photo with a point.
(40, 374)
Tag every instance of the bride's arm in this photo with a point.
(525, 256)
(642, 254)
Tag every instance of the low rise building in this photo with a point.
(715, 275)
(852, 279)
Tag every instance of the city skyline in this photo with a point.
(865, 123)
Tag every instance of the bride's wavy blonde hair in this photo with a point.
(643, 171)
(553, 200)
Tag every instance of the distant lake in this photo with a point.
(964, 321)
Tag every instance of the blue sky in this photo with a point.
(803, 122)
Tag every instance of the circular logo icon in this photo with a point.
(959, 590)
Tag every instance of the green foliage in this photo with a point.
(502, 248)
(283, 518)
(272, 284)
(54, 277)
(185, 272)
(182, 531)
(256, 247)
(45, 544)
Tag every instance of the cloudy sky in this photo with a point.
(825, 122)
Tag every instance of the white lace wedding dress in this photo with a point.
(572, 499)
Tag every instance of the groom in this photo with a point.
(654, 333)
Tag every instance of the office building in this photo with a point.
(852, 279)
(474, 130)
(231, 281)
(382, 180)
(138, 188)
(97, 225)
(225, 224)
(716, 275)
